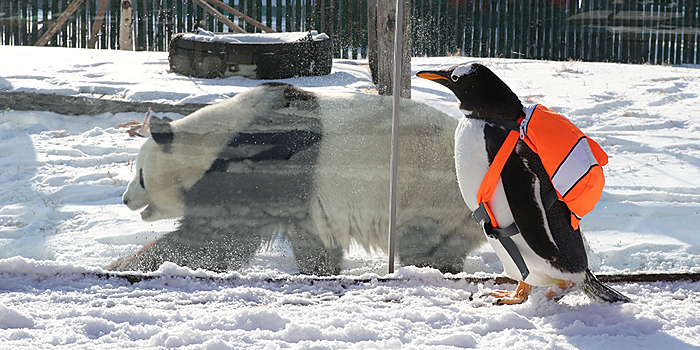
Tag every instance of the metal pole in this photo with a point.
(396, 89)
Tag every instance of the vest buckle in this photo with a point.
(481, 215)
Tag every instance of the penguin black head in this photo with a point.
(481, 93)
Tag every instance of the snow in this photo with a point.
(256, 38)
(62, 220)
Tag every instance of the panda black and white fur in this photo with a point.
(312, 166)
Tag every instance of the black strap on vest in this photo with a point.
(549, 199)
(503, 235)
(505, 124)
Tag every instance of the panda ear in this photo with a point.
(162, 131)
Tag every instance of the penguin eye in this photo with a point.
(461, 71)
(141, 179)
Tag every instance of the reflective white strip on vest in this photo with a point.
(574, 167)
(528, 114)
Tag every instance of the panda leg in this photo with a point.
(142, 260)
(313, 256)
(148, 258)
(196, 244)
(419, 244)
(217, 245)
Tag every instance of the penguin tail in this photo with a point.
(599, 291)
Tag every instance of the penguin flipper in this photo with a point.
(529, 216)
(601, 292)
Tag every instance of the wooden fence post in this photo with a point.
(126, 29)
(372, 38)
(386, 19)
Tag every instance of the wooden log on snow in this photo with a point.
(82, 105)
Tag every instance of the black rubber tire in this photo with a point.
(270, 60)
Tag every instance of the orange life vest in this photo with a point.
(572, 160)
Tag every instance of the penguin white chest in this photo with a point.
(472, 163)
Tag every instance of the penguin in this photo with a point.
(549, 251)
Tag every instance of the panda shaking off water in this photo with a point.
(314, 167)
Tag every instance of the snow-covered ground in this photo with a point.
(61, 220)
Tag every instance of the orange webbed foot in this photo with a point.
(519, 295)
(559, 290)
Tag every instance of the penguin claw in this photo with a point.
(518, 296)
(500, 293)
(560, 289)
(510, 300)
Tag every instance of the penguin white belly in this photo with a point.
(472, 163)
(542, 273)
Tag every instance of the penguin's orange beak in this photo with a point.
(434, 76)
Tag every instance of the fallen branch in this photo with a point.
(136, 127)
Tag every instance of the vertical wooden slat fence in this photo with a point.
(638, 31)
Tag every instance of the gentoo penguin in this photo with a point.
(550, 252)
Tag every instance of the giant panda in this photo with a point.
(313, 166)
